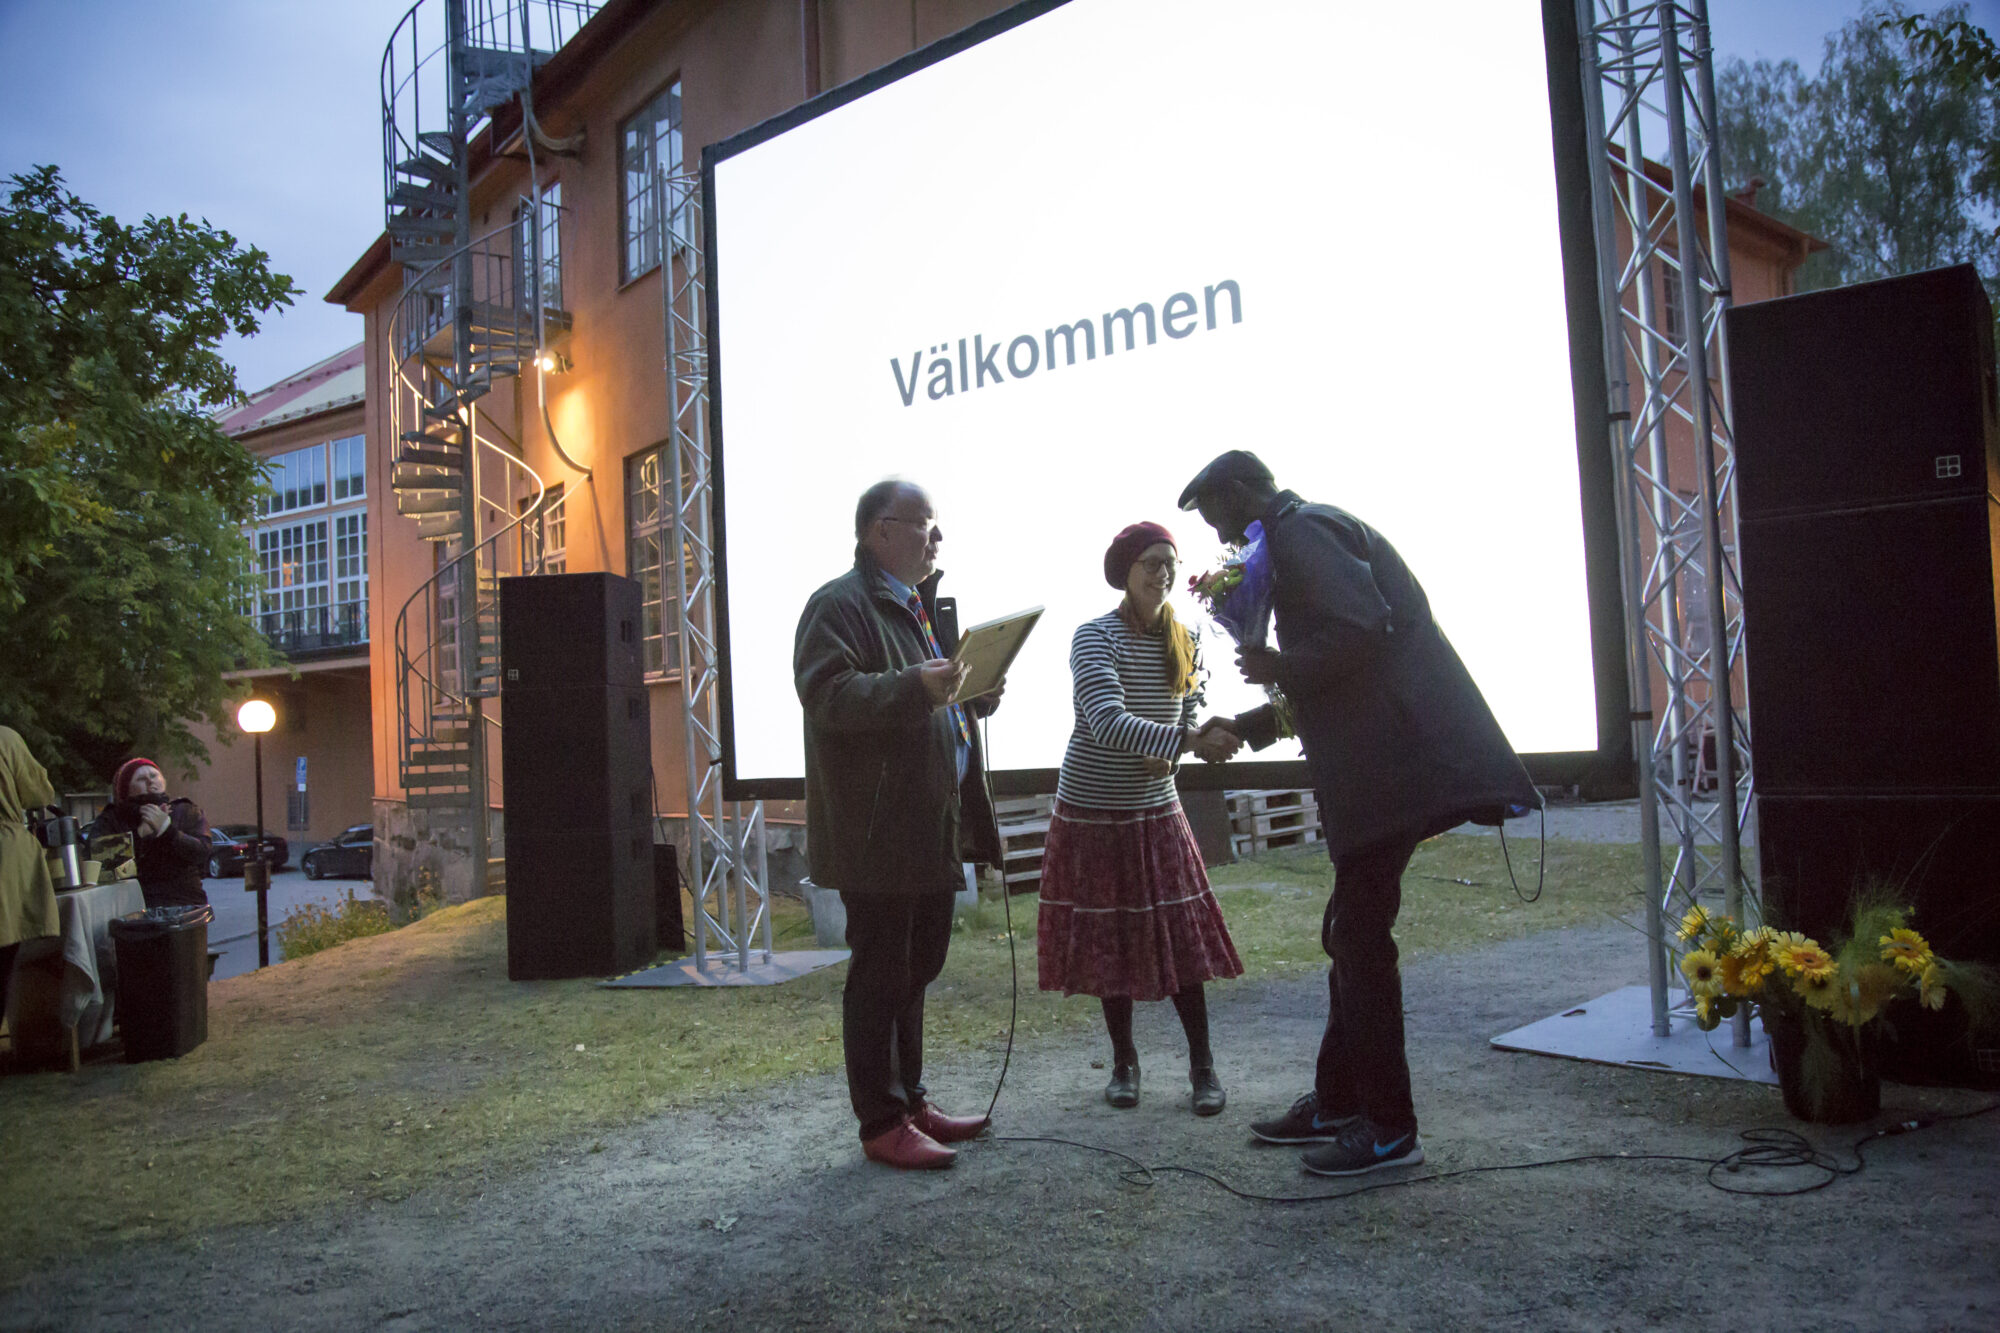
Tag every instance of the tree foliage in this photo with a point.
(123, 566)
(1883, 153)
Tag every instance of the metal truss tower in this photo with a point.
(1663, 266)
(726, 860)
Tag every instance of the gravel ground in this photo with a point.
(762, 1215)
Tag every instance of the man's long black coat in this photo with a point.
(1400, 742)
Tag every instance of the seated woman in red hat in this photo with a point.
(169, 836)
(1126, 910)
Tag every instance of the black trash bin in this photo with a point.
(162, 980)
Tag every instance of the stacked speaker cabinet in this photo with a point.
(1867, 476)
(575, 755)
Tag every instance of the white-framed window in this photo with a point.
(298, 480)
(544, 536)
(350, 575)
(649, 530)
(549, 275)
(350, 468)
(649, 149)
(314, 569)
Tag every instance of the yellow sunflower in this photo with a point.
(1694, 924)
(1906, 949)
(1860, 997)
(1782, 940)
(1818, 989)
(1740, 974)
(1806, 959)
(1753, 953)
(1705, 1016)
(1930, 988)
(1703, 973)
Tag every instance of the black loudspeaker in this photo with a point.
(669, 928)
(1869, 541)
(579, 904)
(575, 753)
(576, 760)
(1861, 396)
(561, 631)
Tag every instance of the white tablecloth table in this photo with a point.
(60, 1002)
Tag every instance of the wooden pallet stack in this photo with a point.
(1261, 820)
(1024, 831)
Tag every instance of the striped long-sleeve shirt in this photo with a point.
(1125, 711)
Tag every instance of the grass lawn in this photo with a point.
(380, 1066)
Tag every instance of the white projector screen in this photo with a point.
(1326, 233)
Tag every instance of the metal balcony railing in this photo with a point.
(315, 629)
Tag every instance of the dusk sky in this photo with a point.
(263, 116)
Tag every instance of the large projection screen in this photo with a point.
(1049, 268)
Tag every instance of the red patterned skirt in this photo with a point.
(1126, 908)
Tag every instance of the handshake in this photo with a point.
(1212, 742)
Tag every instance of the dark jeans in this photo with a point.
(898, 943)
(1361, 1062)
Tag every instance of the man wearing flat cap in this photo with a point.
(1401, 747)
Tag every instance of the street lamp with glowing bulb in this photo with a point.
(257, 717)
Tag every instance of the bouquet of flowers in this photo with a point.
(1829, 997)
(1237, 596)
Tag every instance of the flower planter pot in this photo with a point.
(1828, 1081)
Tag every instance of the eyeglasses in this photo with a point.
(1157, 564)
(936, 533)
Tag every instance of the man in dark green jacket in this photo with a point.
(1401, 746)
(896, 802)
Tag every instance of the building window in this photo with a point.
(649, 526)
(649, 149)
(1671, 319)
(549, 276)
(350, 576)
(298, 480)
(544, 535)
(350, 468)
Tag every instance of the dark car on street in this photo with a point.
(229, 847)
(350, 855)
(280, 850)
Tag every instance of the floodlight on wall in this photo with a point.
(551, 363)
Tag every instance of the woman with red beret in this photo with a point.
(169, 835)
(1126, 909)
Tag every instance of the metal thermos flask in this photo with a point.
(60, 835)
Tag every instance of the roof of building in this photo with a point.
(335, 382)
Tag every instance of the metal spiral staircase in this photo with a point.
(474, 310)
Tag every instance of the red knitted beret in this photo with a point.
(122, 780)
(1125, 548)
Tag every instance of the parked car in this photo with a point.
(229, 847)
(351, 854)
(281, 851)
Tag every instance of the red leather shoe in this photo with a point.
(908, 1148)
(948, 1128)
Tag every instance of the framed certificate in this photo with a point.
(988, 649)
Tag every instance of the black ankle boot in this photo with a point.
(1123, 1089)
(1209, 1098)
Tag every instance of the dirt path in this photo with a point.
(764, 1216)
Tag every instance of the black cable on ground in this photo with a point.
(1769, 1150)
(1541, 868)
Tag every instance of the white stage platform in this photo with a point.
(722, 970)
(1617, 1029)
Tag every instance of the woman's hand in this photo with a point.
(153, 820)
(1157, 767)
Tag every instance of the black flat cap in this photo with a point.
(1236, 465)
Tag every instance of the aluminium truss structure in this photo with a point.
(726, 849)
(1648, 85)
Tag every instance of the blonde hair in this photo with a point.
(1180, 646)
